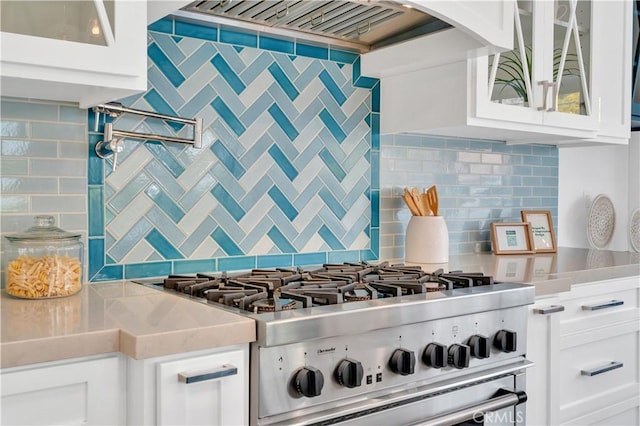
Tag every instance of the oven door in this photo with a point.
(496, 401)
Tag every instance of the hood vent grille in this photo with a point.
(364, 23)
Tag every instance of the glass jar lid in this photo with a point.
(43, 229)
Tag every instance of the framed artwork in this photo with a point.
(544, 239)
(511, 238)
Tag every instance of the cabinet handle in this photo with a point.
(548, 309)
(605, 305)
(546, 85)
(613, 365)
(202, 375)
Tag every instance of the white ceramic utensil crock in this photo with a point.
(427, 240)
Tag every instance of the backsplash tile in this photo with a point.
(284, 176)
(478, 182)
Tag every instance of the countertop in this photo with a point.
(142, 322)
(114, 317)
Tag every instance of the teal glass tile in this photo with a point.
(283, 162)
(146, 270)
(330, 201)
(283, 203)
(375, 98)
(226, 243)
(109, 273)
(332, 126)
(308, 50)
(228, 74)
(276, 44)
(228, 116)
(203, 32)
(332, 241)
(13, 129)
(332, 164)
(228, 202)
(96, 256)
(194, 62)
(160, 105)
(165, 65)
(96, 211)
(194, 266)
(375, 169)
(280, 240)
(27, 148)
(164, 25)
(369, 255)
(228, 160)
(162, 245)
(165, 157)
(275, 261)
(343, 56)
(165, 202)
(375, 208)
(344, 256)
(236, 263)
(302, 259)
(287, 127)
(238, 38)
(332, 87)
(283, 81)
(28, 111)
(375, 131)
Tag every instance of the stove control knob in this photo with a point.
(349, 373)
(479, 345)
(435, 355)
(403, 361)
(458, 355)
(506, 341)
(308, 381)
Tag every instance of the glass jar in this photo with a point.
(44, 261)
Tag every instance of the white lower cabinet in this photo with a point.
(585, 345)
(86, 391)
(206, 387)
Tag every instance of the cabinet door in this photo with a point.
(75, 393)
(635, 106)
(211, 390)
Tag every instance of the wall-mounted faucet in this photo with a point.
(112, 144)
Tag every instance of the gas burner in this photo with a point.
(272, 305)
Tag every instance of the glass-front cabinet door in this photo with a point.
(545, 79)
(635, 106)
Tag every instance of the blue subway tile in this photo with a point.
(282, 121)
(331, 163)
(226, 243)
(165, 65)
(283, 81)
(238, 38)
(332, 241)
(203, 32)
(109, 273)
(375, 208)
(280, 240)
(164, 25)
(165, 202)
(302, 259)
(276, 44)
(228, 74)
(227, 201)
(228, 116)
(330, 201)
(194, 266)
(308, 50)
(162, 245)
(96, 256)
(283, 162)
(375, 98)
(333, 126)
(236, 263)
(343, 56)
(332, 87)
(146, 270)
(96, 211)
(228, 160)
(160, 105)
(344, 256)
(275, 261)
(283, 203)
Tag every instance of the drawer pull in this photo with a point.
(202, 375)
(613, 365)
(605, 305)
(549, 309)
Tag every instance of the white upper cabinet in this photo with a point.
(566, 81)
(86, 51)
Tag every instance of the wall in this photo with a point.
(478, 182)
(584, 174)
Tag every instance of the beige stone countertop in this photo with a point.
(114, 317)
(550, 273)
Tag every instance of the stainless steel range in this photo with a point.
(377, 344)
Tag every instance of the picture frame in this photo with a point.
(544, 238)
(511, 238)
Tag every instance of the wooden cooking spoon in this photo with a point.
(408, 199)
(417, 199)
(432, 198)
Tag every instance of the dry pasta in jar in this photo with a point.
(43, 262)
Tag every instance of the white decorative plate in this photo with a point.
(601, 221)
(634, 230)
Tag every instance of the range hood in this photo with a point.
(360, 24)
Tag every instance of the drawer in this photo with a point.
(598, 310)
(598, 368)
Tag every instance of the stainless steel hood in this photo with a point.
(361, 24)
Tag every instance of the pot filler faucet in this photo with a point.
(113, 143)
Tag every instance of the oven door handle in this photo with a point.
(505, 398)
